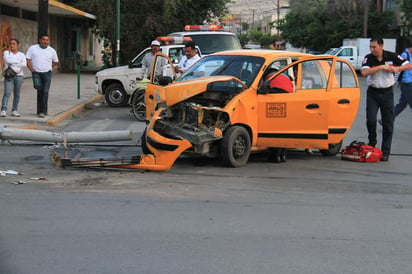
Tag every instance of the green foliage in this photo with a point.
(243, 38)
(143, 20)
(322, 24)
(406, 9)
(245, 26)
(266, 40)
(255, 35)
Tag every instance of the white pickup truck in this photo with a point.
(118, 84)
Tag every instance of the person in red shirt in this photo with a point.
(280, 84)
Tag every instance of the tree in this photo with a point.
(321, 24)
(144, 20)
(406, 9)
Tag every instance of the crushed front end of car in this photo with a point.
(199, 117)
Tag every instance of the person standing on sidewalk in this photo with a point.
(379, 67)
(405, 84)
(16, 60)
(40, 60)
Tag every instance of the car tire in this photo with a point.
(333, 149)
(138, 105)
(235, 147)
(115, 95)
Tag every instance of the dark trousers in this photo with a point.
(405, 99)
(380, 99)
(41, 82)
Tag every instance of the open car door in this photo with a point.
(297, 119)
(162, 74)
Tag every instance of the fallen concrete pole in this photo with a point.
(8, 133)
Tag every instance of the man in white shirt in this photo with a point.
(189, 59)
(40, 60)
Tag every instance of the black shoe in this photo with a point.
(372, 145)
(385, 158)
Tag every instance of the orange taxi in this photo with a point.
(225, 106)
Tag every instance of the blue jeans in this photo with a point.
(41, 82)
(405, 99)
(380, 99)
(14, 84)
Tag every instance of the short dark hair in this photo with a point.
(190, 44)
(42, 35)
(377, 40)
(15, 40)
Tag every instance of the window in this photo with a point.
(313, 74)
(344, 76)
(346, 52)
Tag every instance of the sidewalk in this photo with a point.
(63, 100)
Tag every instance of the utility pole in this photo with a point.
(253, 18)
(117, 32)
(43, 17)
(365, 18)
(277, 26)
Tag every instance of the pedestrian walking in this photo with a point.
(405, 84)
(379, 67)
(40, 60)
(15, 60)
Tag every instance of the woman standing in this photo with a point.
(16, 60)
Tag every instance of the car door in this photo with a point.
(344, 104)
(298, 119)
(162, 73)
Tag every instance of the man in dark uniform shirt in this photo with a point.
(379, 67)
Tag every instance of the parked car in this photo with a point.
(119, 83)
(252, 45)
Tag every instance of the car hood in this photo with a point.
(117, 71)
(180, 91)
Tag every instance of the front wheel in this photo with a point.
(138, 105)
(333, 149)
(235, 147)
(115, 95)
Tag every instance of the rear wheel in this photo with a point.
(138, 105)
(333, 149)
(235, 147)
(115, 95)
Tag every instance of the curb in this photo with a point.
(58, 118)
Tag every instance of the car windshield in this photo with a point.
(211, 43)
(243, 67)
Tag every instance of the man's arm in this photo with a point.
(368, 71)
(29, 65)
(407, 66)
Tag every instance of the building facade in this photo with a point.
(68, 30)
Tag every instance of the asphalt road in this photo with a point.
(312, 214)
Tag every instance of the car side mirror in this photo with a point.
(165, 80)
